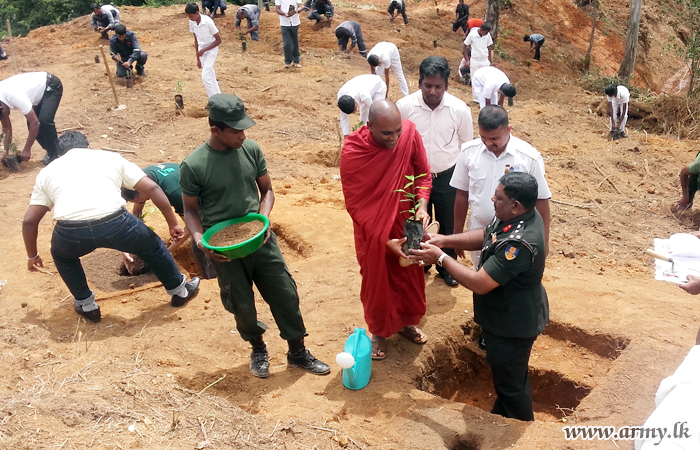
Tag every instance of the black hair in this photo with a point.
(434, 65)
(94, 6)
(492, 117)
(341, 33)
(70, 140)
(373, 60)
(129, 194)
(526, 38)
(191, 8)
(220, 125)
(485, 26)
(346, 104)
(522, 187)
(120, 29)
(611, 90)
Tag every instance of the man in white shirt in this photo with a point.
(490, 86)
(444, 123)
(37, 96)
(482, 163)
(83, 188)
(383, 56)
(206, 43)
(362, 91)
(397, 7)
(288, 12)
(477, 48)
(618, 101)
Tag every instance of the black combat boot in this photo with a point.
(299, 356)
(259, 364)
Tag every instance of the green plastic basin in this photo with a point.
(244, 248)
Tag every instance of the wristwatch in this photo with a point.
(440, 259)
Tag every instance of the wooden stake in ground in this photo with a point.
(12, 46)
(111, 81)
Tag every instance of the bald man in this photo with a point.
(376, 161)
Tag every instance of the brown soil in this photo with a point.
(180, 376)
(236, 233)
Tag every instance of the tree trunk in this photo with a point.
(594, 18)
(627, 66)
(492, 17)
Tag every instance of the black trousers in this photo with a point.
(442, 199)
(508, 358)
(537, 50)
(46, 113)
(692, 185)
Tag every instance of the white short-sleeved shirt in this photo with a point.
(479, 44)
(478, 171)
(443, 129)
(284, 6)
(365, 89)
(386, 52)
(85, 184)
(486, 82)
(623, 96)
(204, 31)
(22, 91)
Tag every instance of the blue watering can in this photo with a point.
(356, 360)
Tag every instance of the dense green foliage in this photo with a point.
(26, 15)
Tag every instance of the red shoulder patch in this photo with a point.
(507, 227)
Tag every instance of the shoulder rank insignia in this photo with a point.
(511, 252)
(507, 227)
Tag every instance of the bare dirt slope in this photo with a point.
(150, 376)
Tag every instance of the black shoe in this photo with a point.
(192, 287)
(304, 359)
(46, 160)
(3, 57)
(449, 279)
(91, 316)
(622, 134)
(259, 364)
(140, 71)
(482, 342)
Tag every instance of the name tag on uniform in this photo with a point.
(511, 252)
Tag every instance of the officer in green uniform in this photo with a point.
(510, 302)
(224, 178)
(167, 176)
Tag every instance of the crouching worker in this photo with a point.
(224, 178)
(89, 213)
(167, 177)
(125, 50)
(510, 302)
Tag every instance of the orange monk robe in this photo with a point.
(392, 296)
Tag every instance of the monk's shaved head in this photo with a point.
(383, 108)
(384, 123)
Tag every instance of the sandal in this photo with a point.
(413, 334)
(378, 348)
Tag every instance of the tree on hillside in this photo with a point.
(492, 10)
(594, 18)
(689, 49)
(627, 66)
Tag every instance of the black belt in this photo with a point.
(91, 223)
(444, 172)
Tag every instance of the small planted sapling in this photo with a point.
(412, 228)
